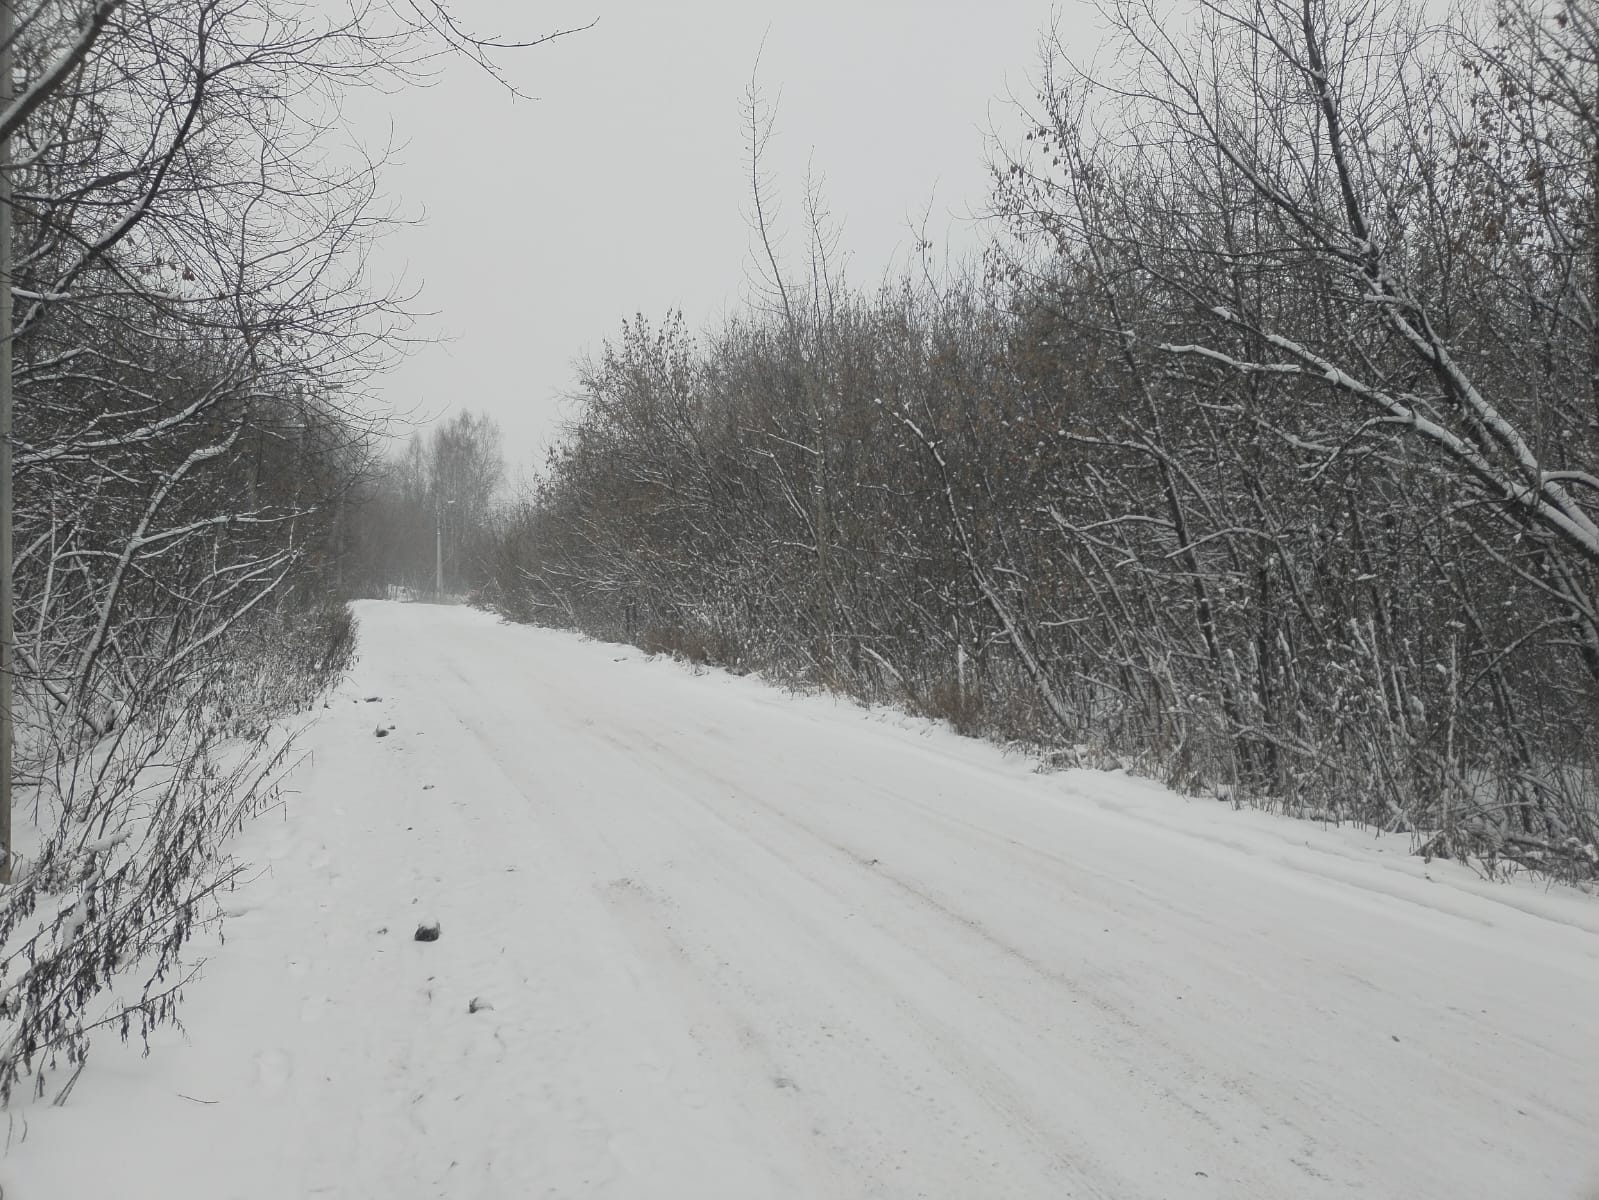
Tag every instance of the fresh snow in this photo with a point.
(728, 942)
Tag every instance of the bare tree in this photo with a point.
(191, 343)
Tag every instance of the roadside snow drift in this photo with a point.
(699, 938)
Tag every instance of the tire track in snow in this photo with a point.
(1294, 1081)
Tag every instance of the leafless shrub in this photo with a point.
(1261, 457)
(191, 340)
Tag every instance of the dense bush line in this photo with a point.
(1262, 456)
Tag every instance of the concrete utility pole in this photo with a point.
(438, 549)
(7, 623)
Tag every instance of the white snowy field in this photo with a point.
(733, 943)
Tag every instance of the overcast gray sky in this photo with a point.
(622, 188)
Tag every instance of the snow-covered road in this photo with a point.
(733, 943)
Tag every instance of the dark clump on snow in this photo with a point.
(427, 933)
(373, 699)
(479, 1004)
(381, 732)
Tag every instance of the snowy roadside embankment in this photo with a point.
(724, 942)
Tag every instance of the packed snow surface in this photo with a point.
(722, 941)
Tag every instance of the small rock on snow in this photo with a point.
(427, 933)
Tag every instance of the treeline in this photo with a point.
(1262, 456)
(191, 346)
(425, 518)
